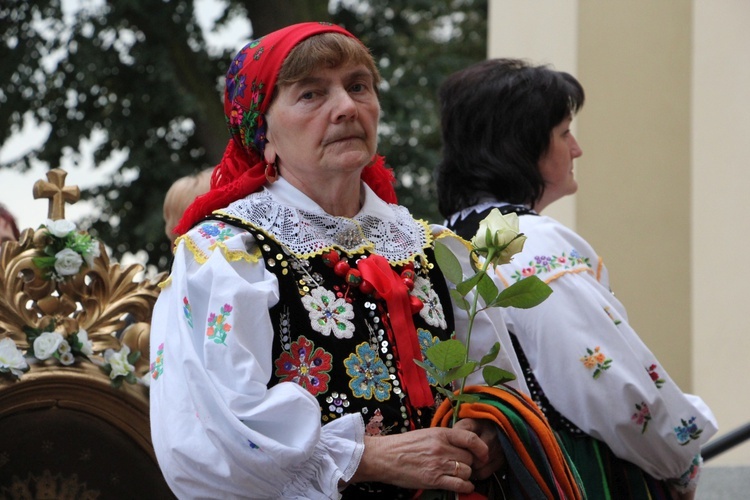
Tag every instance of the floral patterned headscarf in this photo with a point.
(250, 83)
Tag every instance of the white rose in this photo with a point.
(11, 357)
(499, 232)
(87, 348)
(67, 262)
(64, 347)
(46, 344)
(67, 358)
(118, 361)
(60, 228)
(91, 253)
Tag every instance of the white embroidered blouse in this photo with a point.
(217, 429)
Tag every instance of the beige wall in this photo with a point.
(662, 178)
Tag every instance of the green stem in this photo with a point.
(472, 315)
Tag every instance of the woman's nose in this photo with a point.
(575, 148)
(344, 107)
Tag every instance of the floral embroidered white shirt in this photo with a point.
(218, 430)
(592, 366)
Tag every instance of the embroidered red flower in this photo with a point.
(305, 365)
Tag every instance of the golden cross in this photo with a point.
(57, 193)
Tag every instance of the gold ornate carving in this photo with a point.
(104, 299)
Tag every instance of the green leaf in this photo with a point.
(467, 398)
(494, 375)
(459, 300)
(134, 356)
(446, 392)
(491, 355)
(465, 286)
(523, 294)
(43, 262)
(460, 372)
(487, 289)
(447, 355)
(448, 263)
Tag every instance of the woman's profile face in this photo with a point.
(556, 164)
(324, 125)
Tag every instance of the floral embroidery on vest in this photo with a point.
(369, 375)
(329, 314)
(305, 365)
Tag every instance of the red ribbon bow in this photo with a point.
(391, 287)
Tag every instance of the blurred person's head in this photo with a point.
(180, 195)
(8, 228)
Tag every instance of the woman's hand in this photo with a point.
(484, 466)
(435, 458)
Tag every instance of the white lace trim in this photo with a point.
(307, 233)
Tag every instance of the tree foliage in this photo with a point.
(138, 79)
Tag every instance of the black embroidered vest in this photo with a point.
(337, 342)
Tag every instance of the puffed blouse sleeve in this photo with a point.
(592, 365)
(217, 429)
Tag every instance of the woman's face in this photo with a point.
(324, 125)
(556, 165)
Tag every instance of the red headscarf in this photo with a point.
(250, 83)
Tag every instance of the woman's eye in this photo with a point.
(307, 95)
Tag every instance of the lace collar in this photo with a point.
(297, 222)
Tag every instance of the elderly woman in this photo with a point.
(507, 144)
(283, 345)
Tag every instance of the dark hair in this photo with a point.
(497, 117)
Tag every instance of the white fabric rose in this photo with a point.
(87, 348)
(46, 344)
(60, 228)
(499, 232)
(119, 362)
(64, 347)
(67, 358)
(67, 262)
(11, 357)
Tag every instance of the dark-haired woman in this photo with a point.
(507, 144)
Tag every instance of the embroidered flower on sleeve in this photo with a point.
(215, 231)
(329, 314)
(432, 312)
(369, 375)
(218, 328)
(305, 365)
(658, 382)
(597, 361)
(187, 311)
(642, 416)
(608, 310)
(427, 340)
(688, 431)
(157, 367)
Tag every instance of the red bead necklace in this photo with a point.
(353, 278)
